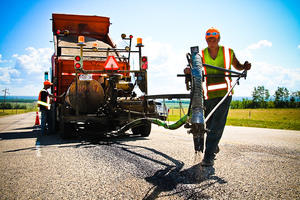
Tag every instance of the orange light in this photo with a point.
(94, 44)
(80, 39)
(139, 41)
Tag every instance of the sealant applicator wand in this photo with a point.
(198, 125)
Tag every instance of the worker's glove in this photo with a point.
(247, 65)
(187, 70)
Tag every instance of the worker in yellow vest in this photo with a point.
(44, 105)
(215, 88)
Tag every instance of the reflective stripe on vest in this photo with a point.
(204, 84)
(40, 102)
(44, 104)
(227, 58)
(219, 86)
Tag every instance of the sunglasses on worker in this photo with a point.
(213, 33)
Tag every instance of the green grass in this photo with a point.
(174, 114)
(14, 111)
(18, 108)
(288, 118)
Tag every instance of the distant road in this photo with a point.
(253, 163)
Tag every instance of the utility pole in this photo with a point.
(5, 92)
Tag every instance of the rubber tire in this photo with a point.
(66, 130)
(144, 130)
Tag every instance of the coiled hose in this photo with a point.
(158, 122)
(173, 126)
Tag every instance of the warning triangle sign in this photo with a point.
(111, 63)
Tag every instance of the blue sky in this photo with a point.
(266, 33)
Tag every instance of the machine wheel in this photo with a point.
(66, 130)
(143, 130)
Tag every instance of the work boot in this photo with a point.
(207, 162)
(217, 150)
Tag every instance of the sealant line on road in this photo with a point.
(37, 145)
(38, 149)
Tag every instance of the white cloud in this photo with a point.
(271, 77)
(6, 73)
(164, 65)
(35, 61)
(299, 46)
(26, 90)
(3, 61)
(247, 53)
(25, 76)
(263, 73)
(260, 44)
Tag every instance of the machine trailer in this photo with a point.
(96, 79)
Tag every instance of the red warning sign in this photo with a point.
(111, 63)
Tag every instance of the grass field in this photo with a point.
(288, 118)
(17, 107)
(174, 114)
(13, 111)
(264, 118)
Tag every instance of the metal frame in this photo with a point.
(99, 50)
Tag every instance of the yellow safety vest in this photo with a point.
(214, 87)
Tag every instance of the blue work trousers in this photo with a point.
(215, 124)
(44, 121)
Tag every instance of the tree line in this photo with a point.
(10, 105)
(261, 98)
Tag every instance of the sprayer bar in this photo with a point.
(226, 95)
(222, 69)
(223, 75)
(214, 75)
(168, 96)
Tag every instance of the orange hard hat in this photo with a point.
(47, 83)
(212, 32)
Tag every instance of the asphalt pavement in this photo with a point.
(253, 163)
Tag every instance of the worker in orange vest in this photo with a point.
(215, 88)
(44, 105)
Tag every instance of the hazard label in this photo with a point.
(111, 63)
